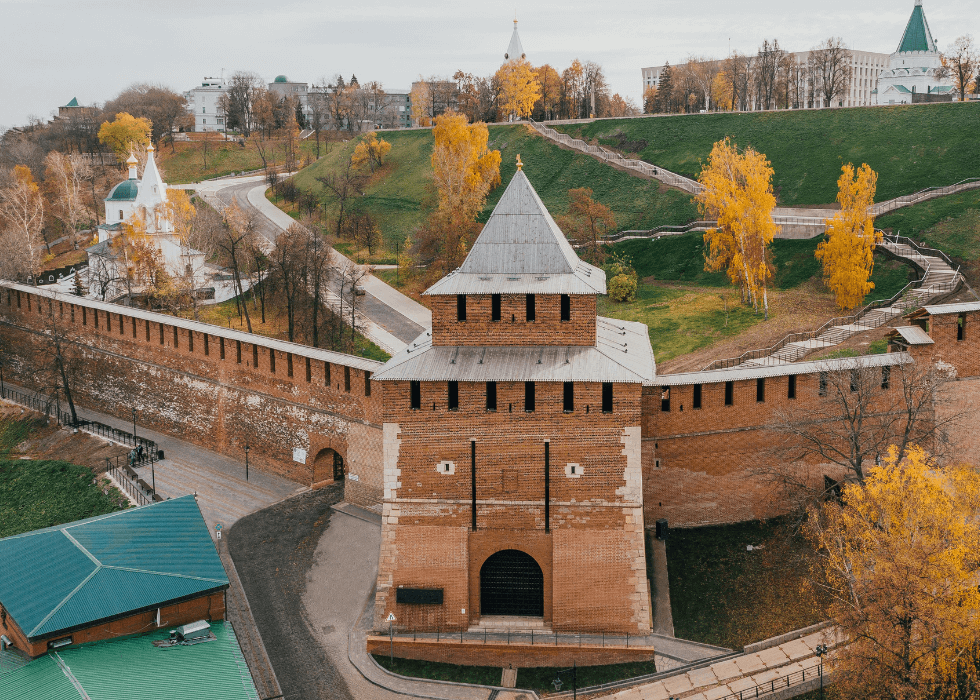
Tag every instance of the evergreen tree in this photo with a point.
(665, 90)
(79, 288)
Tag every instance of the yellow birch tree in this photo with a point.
(371, 150)
(519, 88)
(125, 133)
(738, 194)
(900, 557)
(847, 252)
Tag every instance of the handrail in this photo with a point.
(769, 687)
(508, 637)
(847, 320)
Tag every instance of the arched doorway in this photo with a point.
(328, 464)
(511, 583)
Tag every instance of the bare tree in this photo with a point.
(21, 226)
(767, 69)
(65, 178)
(236, 103)
(233, 241)
(831, 63)
(319, 271)
(862, 411)
(351, 276)
(58, 365)
(165, 108)
(318, 99)
(342, 187)
(961, 61)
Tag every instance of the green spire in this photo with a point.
(73, 103)
(917, 36)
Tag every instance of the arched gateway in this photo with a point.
(511, 583)
(328, 464)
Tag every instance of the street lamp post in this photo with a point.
(557, 682)
(821, 650)
(153, 474)
(135, 443)
(246, 461)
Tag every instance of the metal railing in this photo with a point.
(130, 482)
(50, 409)
(508, 637)
(903, 299)
(788, 681)
(924, 194)
(665, 176)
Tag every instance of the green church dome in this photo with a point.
(125, 191)
(281, 79)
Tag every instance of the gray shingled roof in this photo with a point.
(743, 372)
(522, 250)
(962, 308)
(622, 354)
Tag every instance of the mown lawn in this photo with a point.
(36, 494)
(537, 679)
(399, 192)
(951, 224)
(722, 593)
(189, 163)
(910, 147)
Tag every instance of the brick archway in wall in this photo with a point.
(328, 464)
(484, 544)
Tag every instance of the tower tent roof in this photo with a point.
(917, 36)
(521, 250)
(514, 48)
(73, 103)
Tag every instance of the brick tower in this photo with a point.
(512, 443)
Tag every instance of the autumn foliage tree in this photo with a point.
(21, 225)
(371, 151)
(738, 194)
(519, 88)
(464, 171)
(125, 133)
(586, 222)
(899, 556)
(847, 253)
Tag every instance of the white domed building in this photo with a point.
(915, 70)
(129, 201)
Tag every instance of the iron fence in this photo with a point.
(904, 300)
(524, 637)
(51, 409)
(128, 481)
(924, 194)
(781, 683)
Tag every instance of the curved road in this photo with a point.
(369, 305)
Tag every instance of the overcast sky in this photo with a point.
(53, 50)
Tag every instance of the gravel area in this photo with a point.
(273, 551)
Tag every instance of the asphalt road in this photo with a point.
(274, 550)
(368, 305)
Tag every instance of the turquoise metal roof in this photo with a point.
(42, 679)
(73, 103)
(917, 36)
(108, 566)
(125, 191)
(131, 667)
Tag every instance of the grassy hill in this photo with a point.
(397, 193)
(910, 147)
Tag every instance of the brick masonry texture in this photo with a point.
(180, 385)
(503, 655)
(513, 328)
(596, 521)
(209, 607)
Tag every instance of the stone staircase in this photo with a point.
(939, 278)
(513, 624)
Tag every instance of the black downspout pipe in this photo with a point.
(473, 480)
(547, 486)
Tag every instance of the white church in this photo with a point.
(146, 199)
(914, 68)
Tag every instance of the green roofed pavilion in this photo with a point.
(69, 577)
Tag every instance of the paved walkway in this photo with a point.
(735, 674)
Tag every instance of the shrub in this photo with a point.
(622, 288)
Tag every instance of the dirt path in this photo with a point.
(274, 550)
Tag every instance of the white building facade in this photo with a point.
(914, 72)
(205, 101)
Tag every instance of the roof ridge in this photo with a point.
(159, 573)
(81, 547)
(68, 597)
(66, 669)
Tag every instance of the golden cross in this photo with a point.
(520, 165)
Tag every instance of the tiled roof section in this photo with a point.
(743, 372)
(125, 191)
(917, 36)
(914, 335)
(107, 566)
(521, 244)
(123, 669)
(622, 354)
(962, 308)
